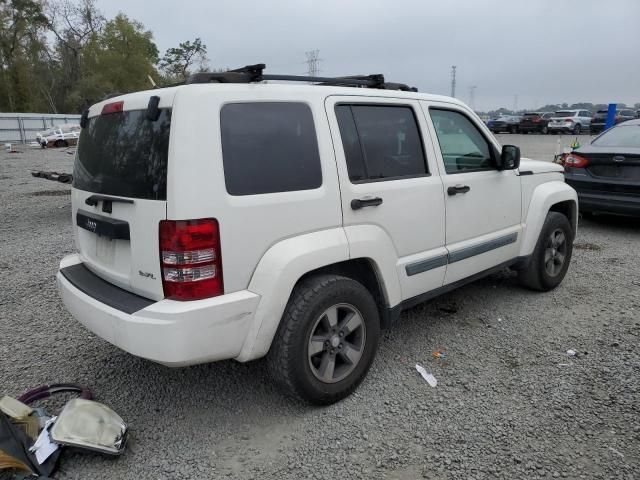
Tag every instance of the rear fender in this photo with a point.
(276, 275)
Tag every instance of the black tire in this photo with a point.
(544, 130)
(513, 130)
(577, 129)
(536, 274)
(61, 143)
(289, 361)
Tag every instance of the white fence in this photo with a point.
(23, 127)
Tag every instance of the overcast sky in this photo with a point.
(543, 51)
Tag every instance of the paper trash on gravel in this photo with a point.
(431, 380)
(44, 447)
(571, 353)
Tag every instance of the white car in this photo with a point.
(570, 121)
(61, 136)
(232, 219)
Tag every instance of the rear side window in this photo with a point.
(124, 154)
(380, 142)
(269, 147)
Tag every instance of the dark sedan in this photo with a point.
(606, 172)
(600, 119)
(504, 123)
(535, 122)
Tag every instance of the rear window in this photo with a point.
(124, 154)
(621, 136)
(565, 114)
(269, 147)
(531, 115)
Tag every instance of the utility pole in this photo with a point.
(313, 63)
(453, 81)
(472, 97)
(515, 103)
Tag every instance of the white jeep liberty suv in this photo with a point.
(235, 217)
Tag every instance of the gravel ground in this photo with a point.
(509, 402)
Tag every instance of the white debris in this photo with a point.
(431, 380)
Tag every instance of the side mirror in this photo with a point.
(510, 157)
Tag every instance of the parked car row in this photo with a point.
(564, 121)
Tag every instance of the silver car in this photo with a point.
(570, 121)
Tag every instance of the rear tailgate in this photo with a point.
(119, 191)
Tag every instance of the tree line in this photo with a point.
(59, 56)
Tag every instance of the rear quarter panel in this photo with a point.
(251, 224)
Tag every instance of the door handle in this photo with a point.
(358, 203)
(458, 189)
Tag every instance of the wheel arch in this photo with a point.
(554, 196)
(297, 258)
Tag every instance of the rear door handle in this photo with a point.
(358, 203)
(458, 189)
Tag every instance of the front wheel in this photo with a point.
(551, 257)
(577, 129)
(544, 130)
(327, 339)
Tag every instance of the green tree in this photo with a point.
(22, 47)
(178, 62)
(118, 60)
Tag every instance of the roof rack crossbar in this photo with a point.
(254, 73)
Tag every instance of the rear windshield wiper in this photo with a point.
(94, 199)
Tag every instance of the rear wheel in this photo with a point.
(544, 130)
(551, 257)
(513, 129)
(577, 129)
(61, 143)
(327, 339)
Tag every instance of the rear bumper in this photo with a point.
(609, 203)
(169, 332)
(560, 128)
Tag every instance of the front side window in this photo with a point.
(463, 146)
(380, 142)
(269, 147)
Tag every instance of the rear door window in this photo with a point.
(381, 142)
(124, 154)
(269, 147)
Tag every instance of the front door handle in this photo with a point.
(358, 203)
(458, 189)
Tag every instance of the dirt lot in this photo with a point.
(509, 402)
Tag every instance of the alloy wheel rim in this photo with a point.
(336, 343)
(555, 252)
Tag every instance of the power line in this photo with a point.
(313, 62)
(453, 81)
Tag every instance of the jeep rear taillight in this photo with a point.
(190, 259)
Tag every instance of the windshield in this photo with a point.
(124, 154)
(565, 114)
(620, 136)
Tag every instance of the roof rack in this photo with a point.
(254, 74)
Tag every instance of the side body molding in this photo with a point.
(543, 197)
